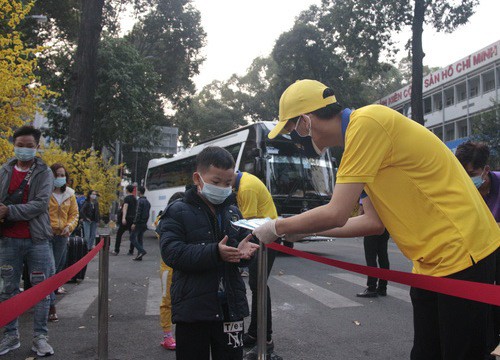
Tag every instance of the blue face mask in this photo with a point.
(478, 180)
(60, 181)
(215, 194)
(24, 154)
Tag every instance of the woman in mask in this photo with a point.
(63, 220)
(90, 217)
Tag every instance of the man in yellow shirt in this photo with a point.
(421, 194)
(255, 201)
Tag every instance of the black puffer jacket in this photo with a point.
(189, 246)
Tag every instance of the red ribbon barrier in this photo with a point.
(11, 309)
(485, 293)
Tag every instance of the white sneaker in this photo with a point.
(41, 346)
(8, 343)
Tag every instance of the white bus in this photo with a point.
(295, 182)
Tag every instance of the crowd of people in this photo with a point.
(39, 212)
(442, 210)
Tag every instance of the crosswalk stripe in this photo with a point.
(393, 291)
(326, 297)
(154, 297)
(75, 303)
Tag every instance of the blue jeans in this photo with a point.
(40, 263)
(136, 237)
(59, 247)
(89, 233)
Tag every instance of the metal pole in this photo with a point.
(102, 333)
(262, 303)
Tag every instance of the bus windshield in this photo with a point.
(292, 174)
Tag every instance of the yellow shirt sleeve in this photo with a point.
(367, 146)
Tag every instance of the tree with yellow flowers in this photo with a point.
(20, 90)
(87, 171)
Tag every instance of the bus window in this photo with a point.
(298, 176)
(177, 173)
(234, 150)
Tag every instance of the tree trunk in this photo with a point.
(417, 111)
(82, 103)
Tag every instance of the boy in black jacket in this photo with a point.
(199, 242)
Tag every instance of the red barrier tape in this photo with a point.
(485, 293)
(11, 309)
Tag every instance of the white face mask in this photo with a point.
(318, 151)
(93, 196)
(215, 194)
(478, 180)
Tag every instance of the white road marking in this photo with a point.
(154, 296)
(393, 291)
(324, 296)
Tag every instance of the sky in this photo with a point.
(239, 31)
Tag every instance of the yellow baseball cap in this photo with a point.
(302, 97)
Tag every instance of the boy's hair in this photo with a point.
(474, 153)
(141, 189)
(216, 156)
(130, 188)
(28, 130)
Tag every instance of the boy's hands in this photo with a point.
(247, 248)
(228, 253)
(244, 250)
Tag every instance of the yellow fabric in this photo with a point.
(166, 303)
(421, 192)
(253, 198)
(63, 215)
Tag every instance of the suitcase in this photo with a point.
(77, 249)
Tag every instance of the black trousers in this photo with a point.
(252, 281)
(121, 230)
(195, 341)
(451, 328)
(376, 248)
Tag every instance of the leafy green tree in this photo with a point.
(364, 29)
(171, 36)
(486, 128)
(168, 35)
(126, 103)
(207, 114)
(127, 107)
(305, 52)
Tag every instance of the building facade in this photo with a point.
(456, 95)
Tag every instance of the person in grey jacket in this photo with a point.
(26, 184)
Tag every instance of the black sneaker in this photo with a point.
(249, 341)
(368, 293)
(139, 257)
(381, 292)
(130, 253)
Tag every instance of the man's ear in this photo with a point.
(487, 169)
